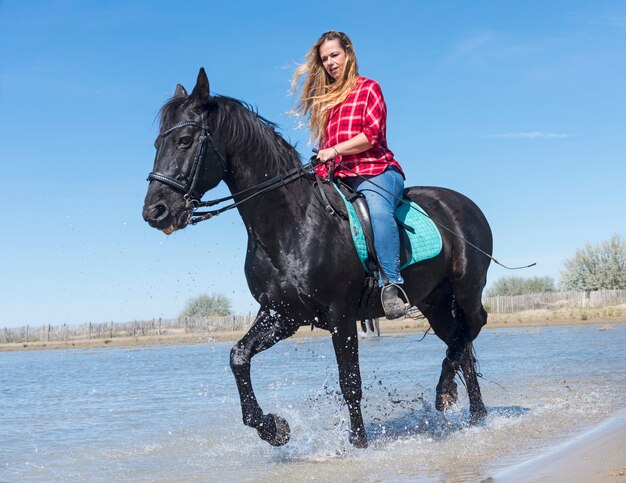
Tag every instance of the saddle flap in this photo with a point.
(419, 236)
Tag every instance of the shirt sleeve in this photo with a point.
(375, 114)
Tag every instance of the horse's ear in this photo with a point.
(180, 91)
(201, 91)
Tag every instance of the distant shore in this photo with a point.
(537, 318)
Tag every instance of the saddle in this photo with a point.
(420, 238)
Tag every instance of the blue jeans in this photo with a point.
(382, 207)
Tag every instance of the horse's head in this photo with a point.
(188, 162)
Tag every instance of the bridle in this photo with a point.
(188, 188)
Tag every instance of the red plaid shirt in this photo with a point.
(363, 111)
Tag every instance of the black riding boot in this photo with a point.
(393, 305)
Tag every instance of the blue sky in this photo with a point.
(519, 105)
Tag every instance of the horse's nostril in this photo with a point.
(158, 212)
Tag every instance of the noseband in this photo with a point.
(186, 188)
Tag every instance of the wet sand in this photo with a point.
(598, 455)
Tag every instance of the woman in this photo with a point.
(347, 117)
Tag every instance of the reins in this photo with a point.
(268, 185)
(194, 202)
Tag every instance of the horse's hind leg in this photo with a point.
(264, 333)
(438, 309)
(452, 324)
(460, 356)
(474, 316)
(470, 375)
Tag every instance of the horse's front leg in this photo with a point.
(346, 344)
(264, 333)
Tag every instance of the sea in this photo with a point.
(172, 413)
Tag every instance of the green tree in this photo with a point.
(595, 267)
(205, 305)
(521, 286)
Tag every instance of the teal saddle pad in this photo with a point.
(420, 243)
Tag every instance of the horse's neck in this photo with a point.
(263, 156)
(277, 209)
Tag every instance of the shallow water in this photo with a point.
(172, 413)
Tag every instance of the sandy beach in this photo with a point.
(597, 455)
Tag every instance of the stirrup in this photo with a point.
(398, 307)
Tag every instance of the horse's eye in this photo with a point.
(184, 141)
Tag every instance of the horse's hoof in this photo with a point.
(358, 440)
(446, 399)
(478, 415)
(274, 430)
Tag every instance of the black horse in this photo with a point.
(301, 265)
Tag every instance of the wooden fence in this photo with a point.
(110, 330)
(506, 304)
(501, 304)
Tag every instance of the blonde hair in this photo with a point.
(319, 92)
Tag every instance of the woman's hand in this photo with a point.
(327, 154)
(356, 145)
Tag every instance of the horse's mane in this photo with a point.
(241, 127)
